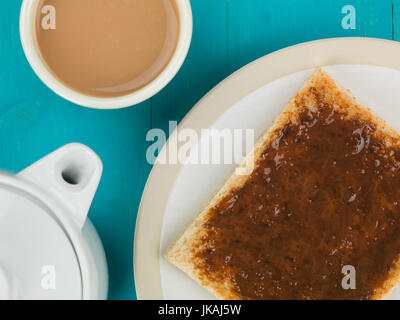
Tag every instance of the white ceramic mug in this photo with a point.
(32, 52)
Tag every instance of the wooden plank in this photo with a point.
(396, 19)
(17, 80)
(204, 67)
(258, 27)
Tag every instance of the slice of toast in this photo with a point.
(328, 173)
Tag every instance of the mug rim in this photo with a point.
(41, 69)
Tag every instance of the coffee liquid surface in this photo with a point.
(324, 194)
(108, 48)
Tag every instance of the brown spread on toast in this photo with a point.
(324, 194)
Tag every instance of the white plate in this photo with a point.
(175, 193)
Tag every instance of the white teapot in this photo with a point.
(49, 249)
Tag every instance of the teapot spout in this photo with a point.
(72, 174)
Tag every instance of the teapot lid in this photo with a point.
(37, 258)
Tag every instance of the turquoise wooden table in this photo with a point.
(227, 35)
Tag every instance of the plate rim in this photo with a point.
(307, 55)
